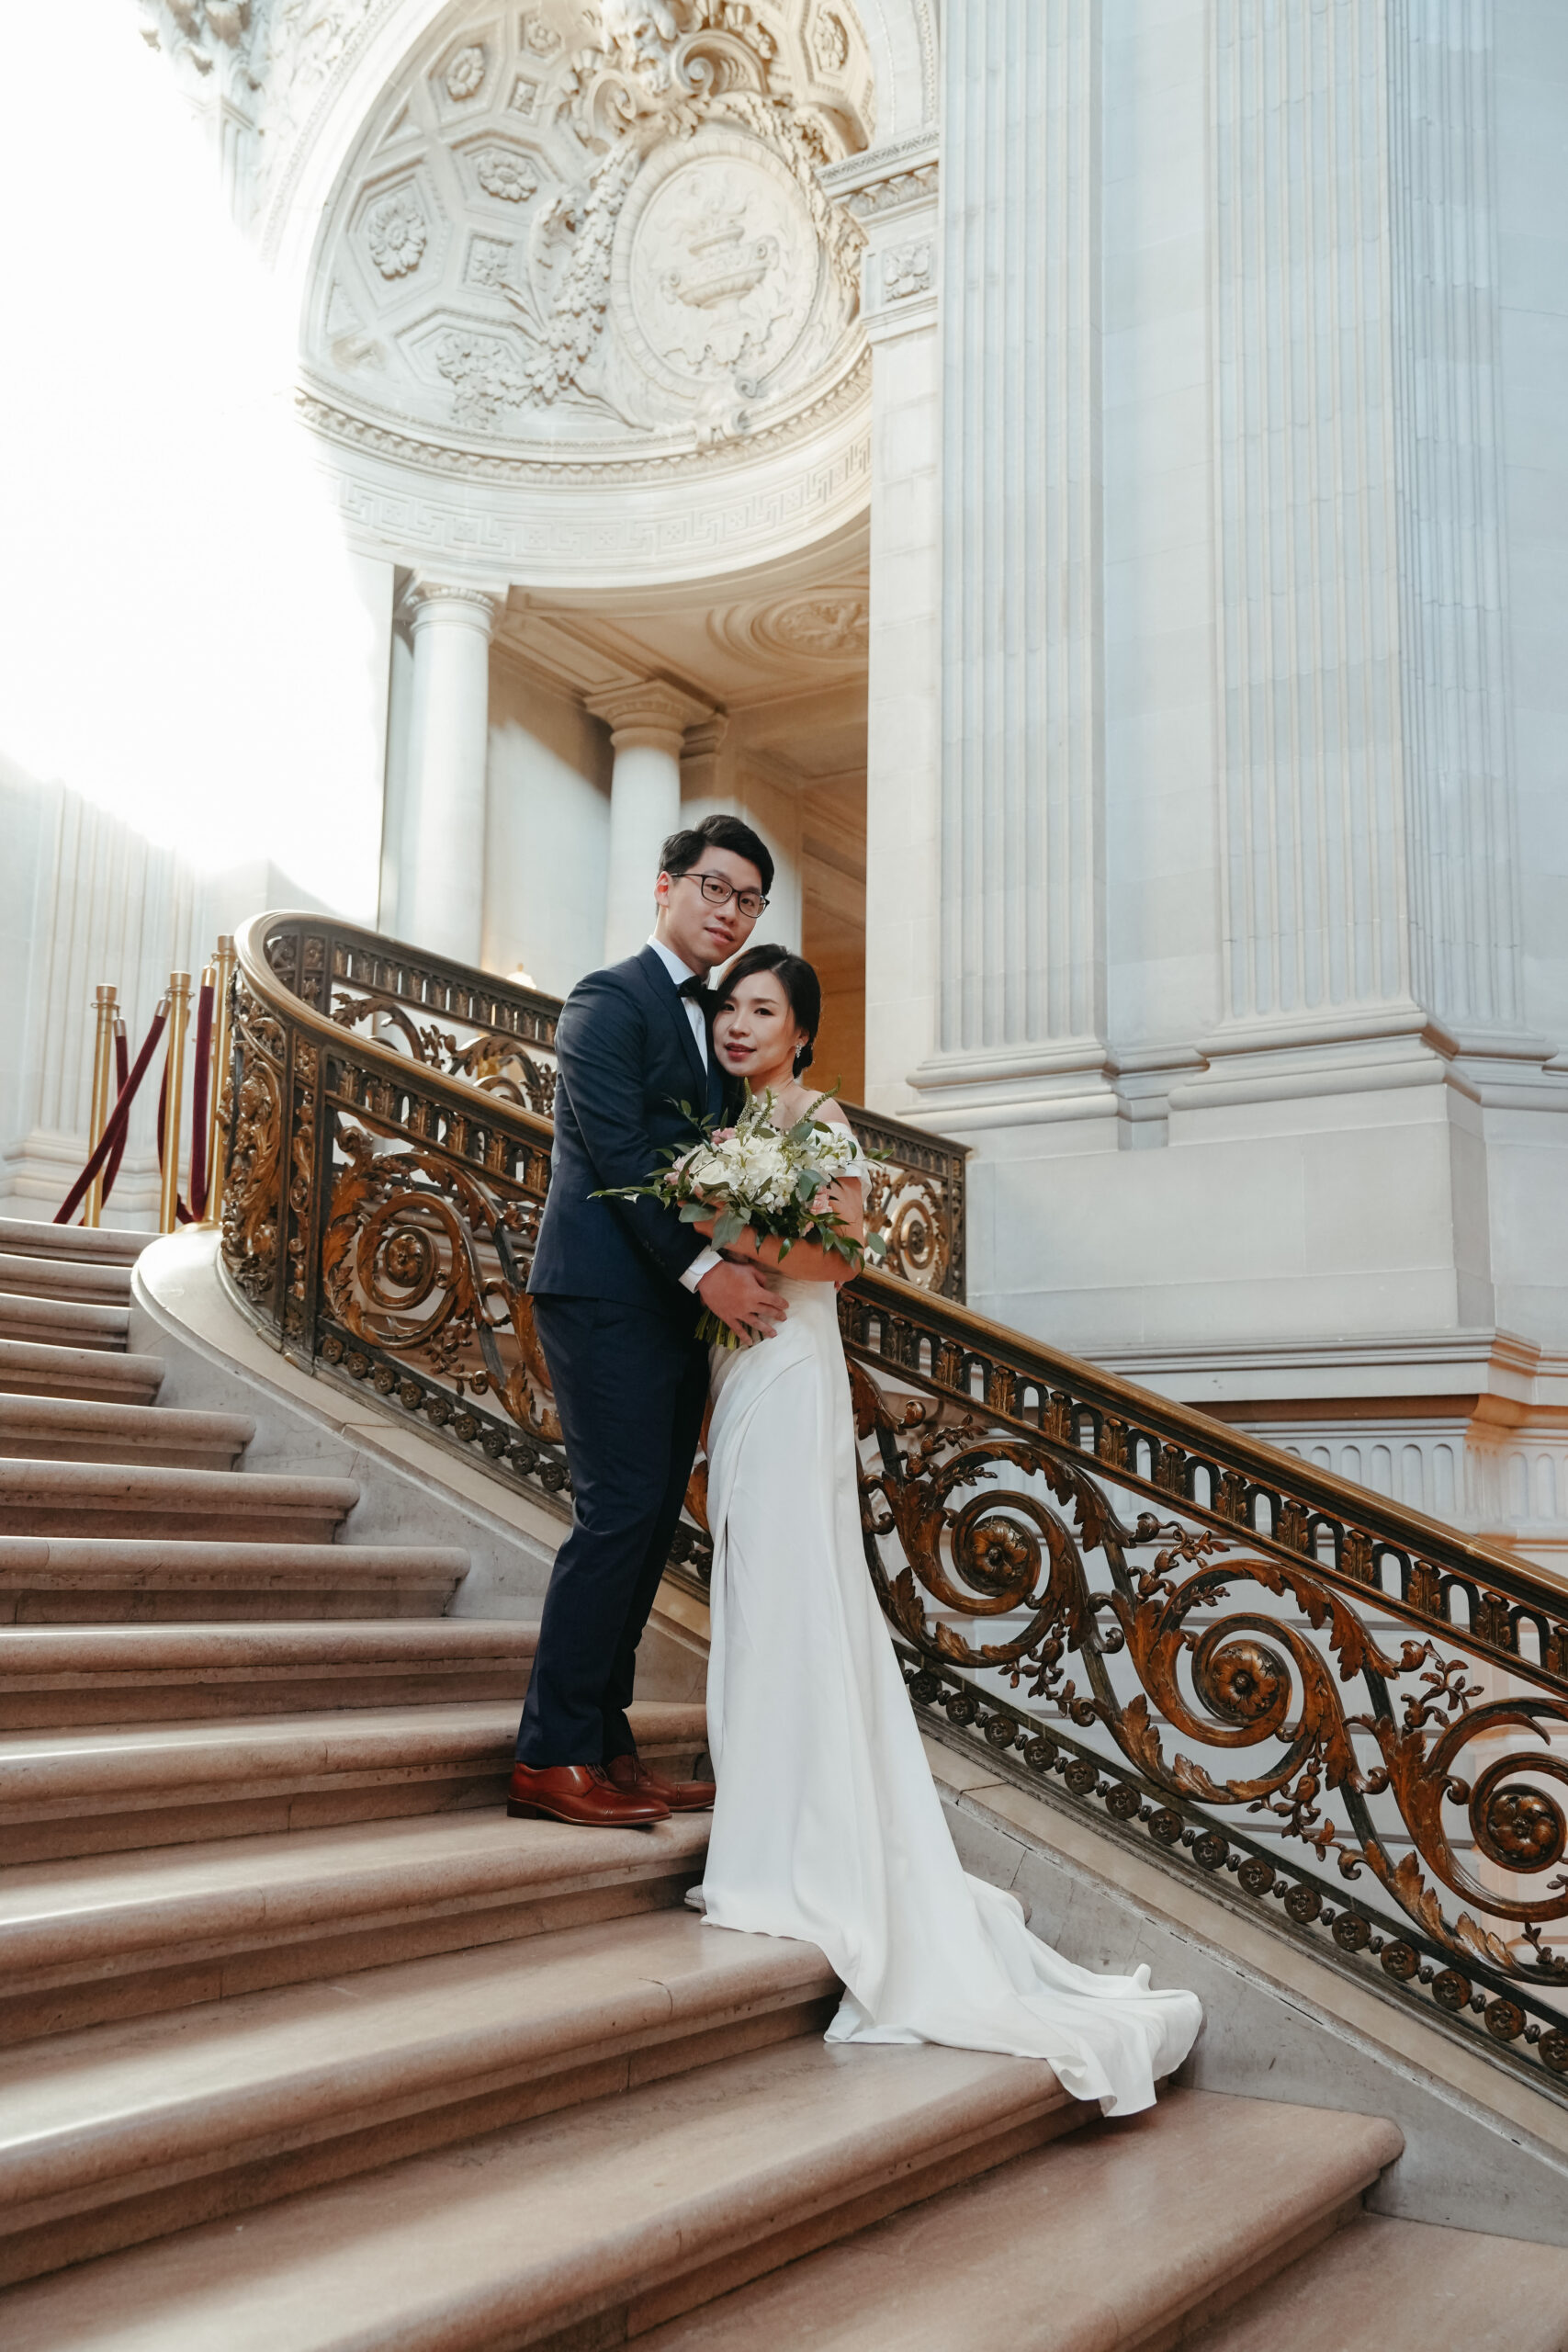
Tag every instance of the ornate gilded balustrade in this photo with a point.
(1343, 1716)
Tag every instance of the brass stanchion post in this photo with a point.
(174, 1091)
(103, 1096)
(223, 961)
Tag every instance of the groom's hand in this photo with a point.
(739, 1296)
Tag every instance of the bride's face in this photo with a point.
(755, 1034)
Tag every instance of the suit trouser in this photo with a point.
(629, 1387)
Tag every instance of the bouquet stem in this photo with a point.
(715, 1332)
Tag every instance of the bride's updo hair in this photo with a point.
(799, 982)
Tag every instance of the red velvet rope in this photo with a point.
(200, 1174)
(115, 1125)
(199, 1112)
(121, 1073)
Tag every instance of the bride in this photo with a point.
(828, 1826)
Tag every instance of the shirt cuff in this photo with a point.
(702, 1264)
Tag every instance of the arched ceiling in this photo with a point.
(575, 306)
(597, 231)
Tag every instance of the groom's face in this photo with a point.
(702, 934)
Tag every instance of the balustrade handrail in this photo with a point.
(254, 966)
(1385, 1697)
(1144, 1414)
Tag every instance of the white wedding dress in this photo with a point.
(828, 1826)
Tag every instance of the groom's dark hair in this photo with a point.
(685, 849)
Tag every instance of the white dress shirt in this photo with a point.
(705, 1260)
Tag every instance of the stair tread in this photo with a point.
(241, 1578)
(618, 2196)
(64, 1317)
(128, 1759)
(97, 1484)
(1416, 2286)
(1191, 2193)
(32, 1653)
(37, 1367)
(88, 1913)
(165, 1424)
(206, 2087)
(100, 1283)
(103, 1244)
(133, 1555)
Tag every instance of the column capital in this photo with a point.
(705, 738)
(648, 713)
(426, 599)
(892, 194)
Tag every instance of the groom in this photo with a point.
(615, 1287)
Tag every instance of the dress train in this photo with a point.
(828, 1826)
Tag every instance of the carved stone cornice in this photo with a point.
(849, 392)
(886, 181)
(705, 739)
(649, 712)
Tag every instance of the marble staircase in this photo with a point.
(305, 2046)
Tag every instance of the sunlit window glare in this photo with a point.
(183, 638)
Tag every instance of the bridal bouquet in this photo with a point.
(775, 1179)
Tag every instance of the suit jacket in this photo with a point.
(626, 1059)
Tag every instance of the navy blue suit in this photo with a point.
(617, 1327)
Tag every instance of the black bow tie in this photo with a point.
(698, 991)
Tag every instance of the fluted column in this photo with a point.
(1023, 925)
(892, 192)
(441, 880)
(1465, 910)
(648, 720)
(1369, 868)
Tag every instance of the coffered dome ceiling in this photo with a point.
(594, 234)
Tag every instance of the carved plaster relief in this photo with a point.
(643, 250)
(832, 625)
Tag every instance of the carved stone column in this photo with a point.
(648, 720)
(440, 882)
(1022, 956)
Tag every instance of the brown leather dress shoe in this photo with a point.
(629, 1772)
(581, 1794)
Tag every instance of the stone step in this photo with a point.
(580, 2228)
(53, 1677)
(1406, 2287)
(88, 1498)
(126, 2132)
(88, 1245)
(168, 1580)
(1125, 2234)
(110, 1792)
(72, 1429)
(60, 1322)
(68, 1279)
(130, 1935)
(32, 1368)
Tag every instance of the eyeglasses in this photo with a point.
(718, 893)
